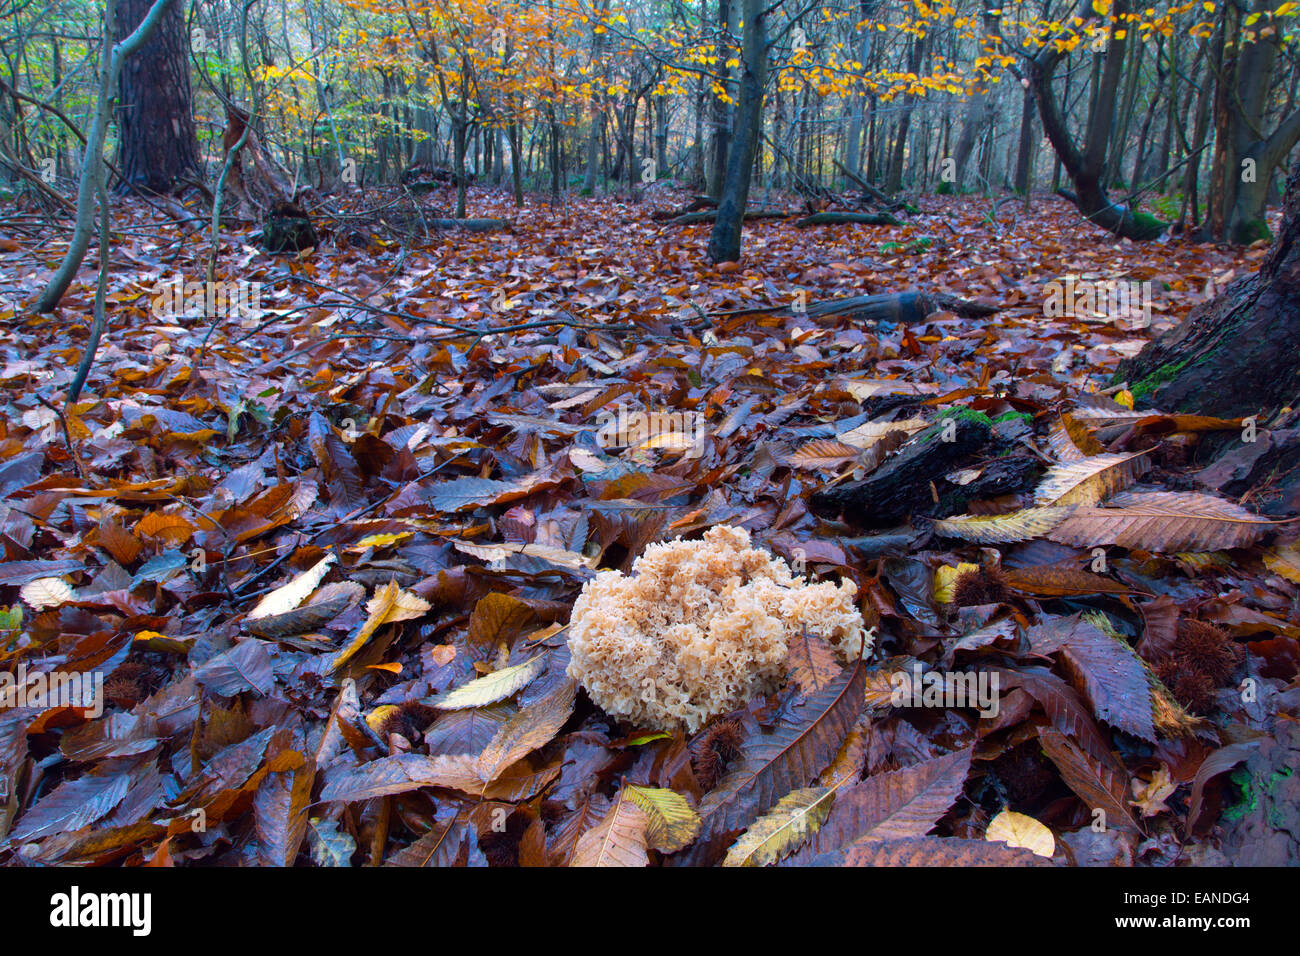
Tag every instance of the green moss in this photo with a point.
(1007, 416)
(969, 414)
(1144, 389)
(1249, 790)
(1148, 226)
(960, 412)
(1168, 206)
(1247, 798)
(1243, 234)
(911, 247)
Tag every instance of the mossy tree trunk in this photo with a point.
(1245, 151)
(1236, 355)
(1086, 163)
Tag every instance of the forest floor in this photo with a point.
(370, 479)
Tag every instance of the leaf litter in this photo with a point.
(322, 560)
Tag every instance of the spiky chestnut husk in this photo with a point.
(715, 747)
(986, 585)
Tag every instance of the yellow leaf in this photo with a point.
(494, 687)
(782, 829)
(1284, 560)
(945, 580)
(671, 823)
(377, 716)
(389, 605)
(1016, 829)
(1003, 529)
(379, 540)
(1125, 398)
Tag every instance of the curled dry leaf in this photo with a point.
(1019, 830)
(47, 592)
(326, 604)
(289, 596)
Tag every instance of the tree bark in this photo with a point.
(720, 110)
(1236, 355)
(1025, 147)
(157, 148)
(894, 179)
(1086, 167)
(980, 113)
(1244, 153)
(724, 241)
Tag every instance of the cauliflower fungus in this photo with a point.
(699, 628)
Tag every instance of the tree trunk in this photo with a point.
(157, 146)
(1025, 148)
(980, 113)
(721, 127)
(894, 179)
(1086, 165)
(1245, 154)
(516, 170)
(1236, 355)
(857, 107)
(724, 241)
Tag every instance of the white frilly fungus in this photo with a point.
(699, 628)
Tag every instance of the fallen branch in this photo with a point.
(471, 225)
(695, 205)
(896, 307)
(710, 215)
(869, 189)
(915, 480)
(836, 218)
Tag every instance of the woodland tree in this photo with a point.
(157, 148)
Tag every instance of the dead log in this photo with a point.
(470, 225)
(836, 218)
(696, 204)
(916, 480)
(425, 178)
(898, 307)
(890, 307)
(691, 218)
